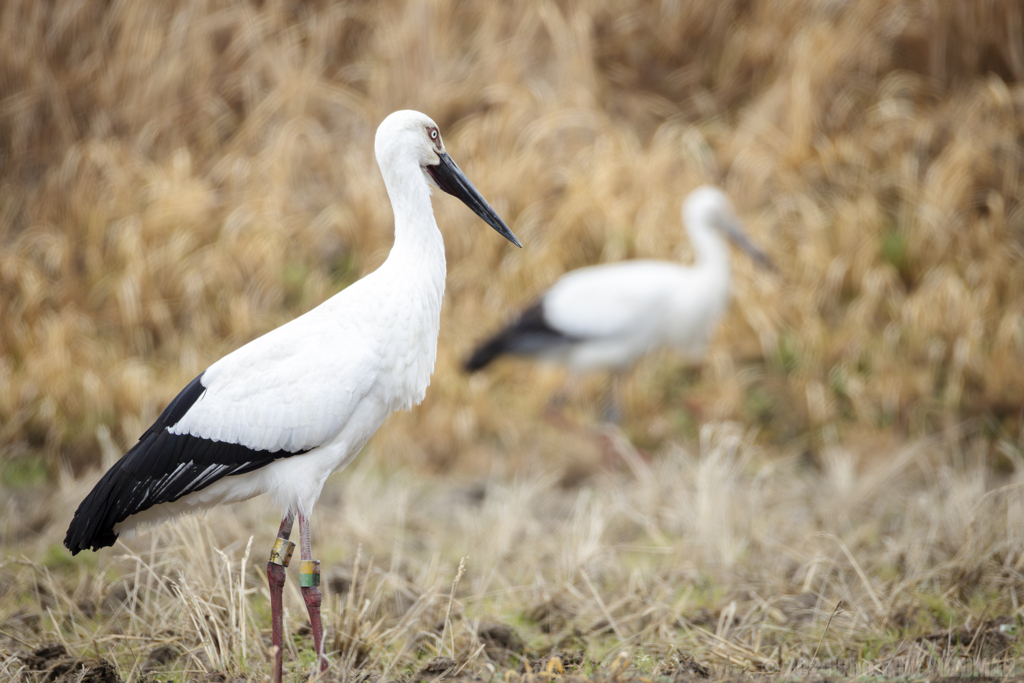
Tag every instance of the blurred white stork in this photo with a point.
(606, 317)
(283, 412)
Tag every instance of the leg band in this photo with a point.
(282, 551)
(309, 573)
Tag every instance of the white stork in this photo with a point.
(606, 317)
(283, 412)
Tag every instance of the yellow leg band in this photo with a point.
(309, 573)
(282, 551)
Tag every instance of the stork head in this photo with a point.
(408, 137)
(710, 206)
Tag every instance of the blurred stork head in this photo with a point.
(708, 207)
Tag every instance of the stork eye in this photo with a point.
(433, 133)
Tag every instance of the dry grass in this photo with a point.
(716, 554)
(179, 178)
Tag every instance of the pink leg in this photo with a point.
(309, 579)
(279, 557)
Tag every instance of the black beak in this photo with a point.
(735, 233)
(450, 178)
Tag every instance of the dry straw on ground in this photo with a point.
(178, 178)
(712, 554)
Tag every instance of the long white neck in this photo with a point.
(417, 238)
(413, 276)
(712, 262)
(712, 251)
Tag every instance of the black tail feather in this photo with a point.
(161, 468)
(92, 527)
(528, 335)
(487, 352)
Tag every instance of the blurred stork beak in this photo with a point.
(734, 230)
(450, 178)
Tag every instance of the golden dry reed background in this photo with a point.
(177, 178)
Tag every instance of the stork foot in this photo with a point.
(309, 579)
(280, 555)
(276, 575)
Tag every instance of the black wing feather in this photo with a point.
(529, 334)
(161, 468)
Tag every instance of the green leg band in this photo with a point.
(309, 573)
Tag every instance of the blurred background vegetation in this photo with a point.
(178, 178)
